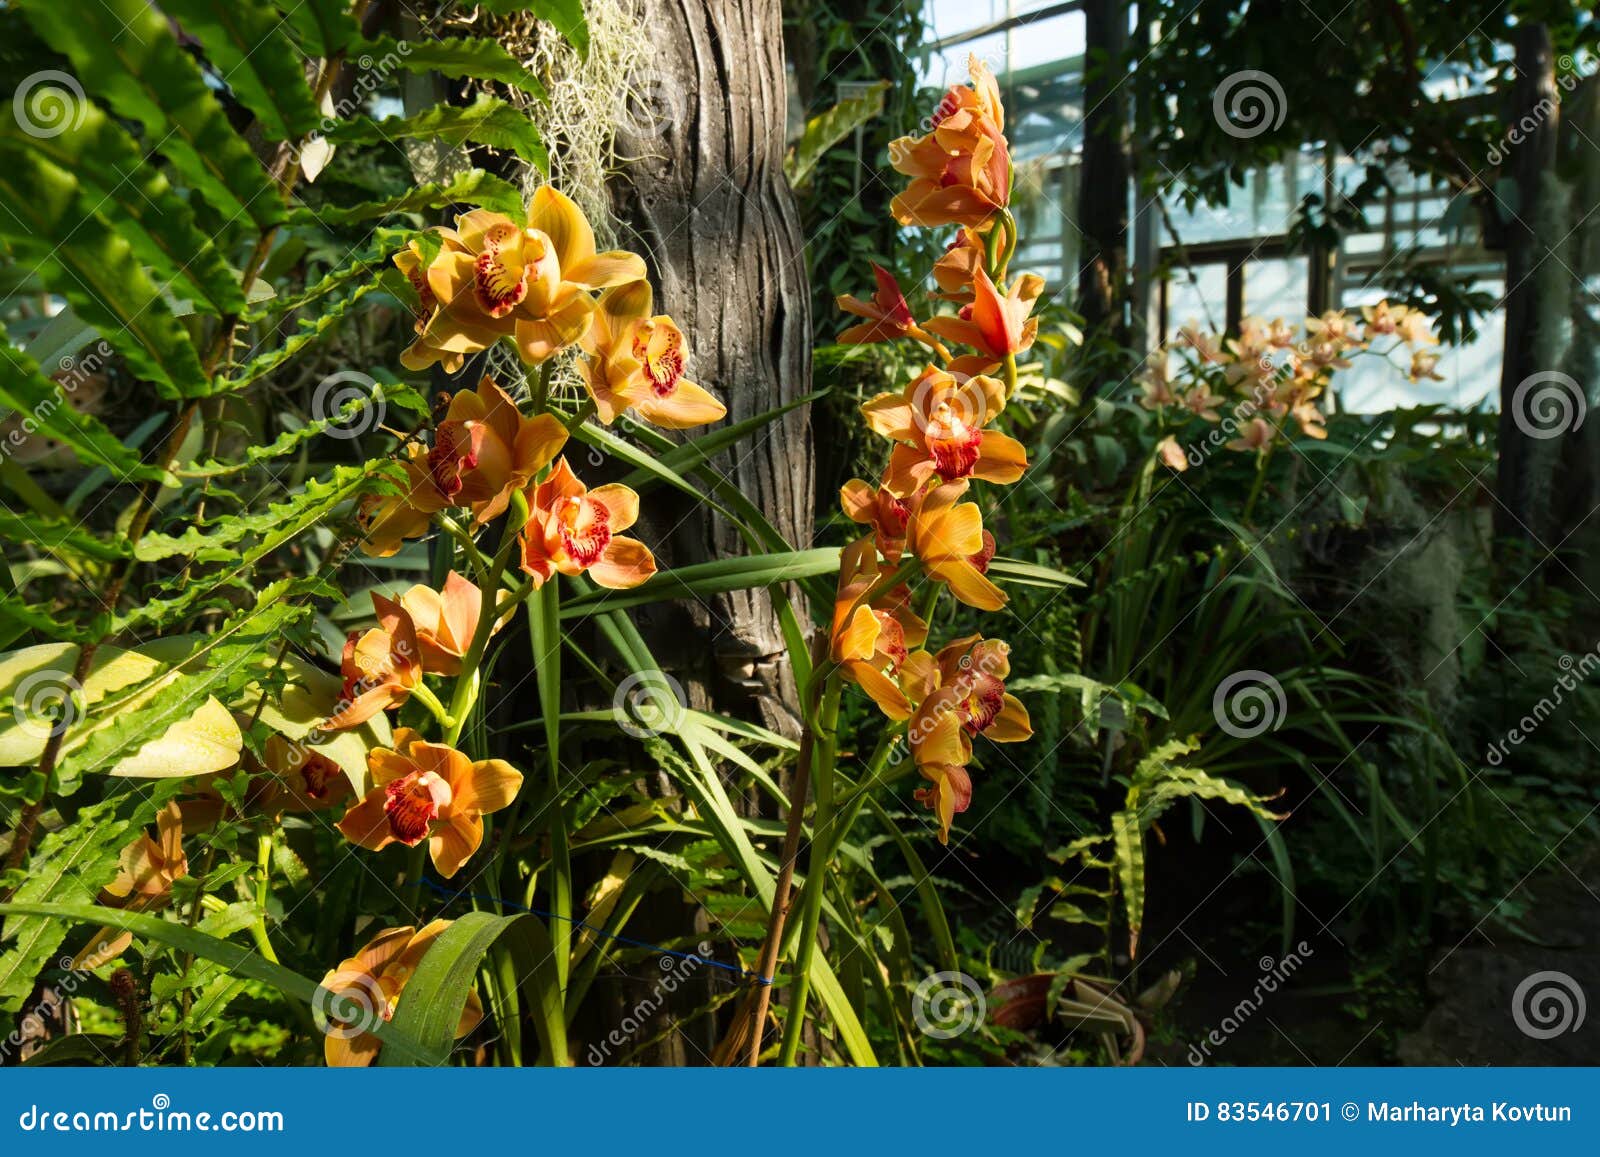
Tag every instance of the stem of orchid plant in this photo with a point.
(541, 393)
(258, 930)
(1255, 488)
(818, 854)
(465, 696)
(852, 803)
(1009, 374)
(479, 564)
(428, 699)
(581, 416)
(1010, 224)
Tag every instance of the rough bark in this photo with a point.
(1533, 104)
(706, 200)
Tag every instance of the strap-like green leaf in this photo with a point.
(707, 578)
(455, 58)
(430, 1007)
(120, 184)
(257, 61)
(487, 121)
(125, 50)
(89, 263)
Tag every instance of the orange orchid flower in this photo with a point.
(428, 791)
(445, 621)
(636, 361)
(961, 170)
(369, 985)
(494, 279)
(146, 871)
(994, 325)
(381, 667)
(955, 270)
(485, 449)
(879, 508)
(939, 422)
(870, 641)
(948, 538)
(573, 530)
(387, 520)
(960, 693)
(888, 316)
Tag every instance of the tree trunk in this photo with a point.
(1534, 104)
(704, 198)
(709, 206)
(1103, 201)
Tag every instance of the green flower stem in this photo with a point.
(468, 684)
(479, 564)
(541, 393)
(258, 930)
(817, 856)
(422, 694)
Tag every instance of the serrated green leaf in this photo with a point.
(487, 121)
(235, 958)
(289, 348)
(566, 15)
(25, 389)
(324, 26)
(257, 61)
(90, 264)
(473, 187)
(273, 526)
(125, 50)
(455, 57)
(118, 182)
(70, 864)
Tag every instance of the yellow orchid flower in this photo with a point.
(381, 667)
(961, 170)
(387, 520)
(370, 983)
(574, 530)
(446, 621)
(429, 791)
(146, 871)
(485, 449)
(870, 641)
(948, 538)
(938, 422)
(635, 361)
